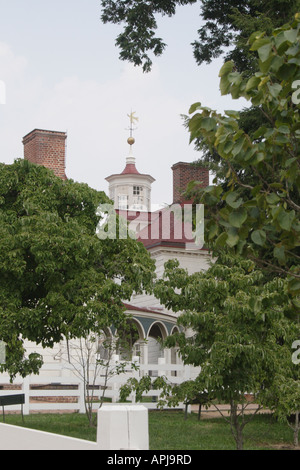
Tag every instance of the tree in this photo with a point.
(228, 23)
(58, 279)
(92, 360)
(240, 325)
(284, 398)
(258, 219)
(226, 27)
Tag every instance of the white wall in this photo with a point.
(119, 427)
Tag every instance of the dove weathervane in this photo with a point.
(133, 119)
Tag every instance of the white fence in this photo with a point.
(118, 428)
(57, 389)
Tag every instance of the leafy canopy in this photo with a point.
(227, 23)
(240, 330)
(58, 279)
(259, 220)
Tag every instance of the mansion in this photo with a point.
(130, 192)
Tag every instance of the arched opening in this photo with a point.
(105, 345)
(174, 352)
(156, 335)
(129, 340)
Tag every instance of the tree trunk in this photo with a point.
(296, 430)
(236, 428)
(199, 412)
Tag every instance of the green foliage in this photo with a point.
(231, 22)
(258, 218)
(240, 331)
(138, 37)
(237, 318)
(226, 23)
(58, 279)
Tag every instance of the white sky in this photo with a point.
(62, 72)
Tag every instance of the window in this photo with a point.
(137, 190)
(123, 202)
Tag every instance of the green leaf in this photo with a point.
(235, 78)
(284, 129)
(285, 219)
(233, 237)
(294, 285)
(259, 43)
(282, 139)
(224, 85)
(228, 147)
(221, 240)
(291, 35)
(287, 71)
(281, 42)
(259, 157)
(194, 107)
(256, 35)
(253, 82)
(259, 237)
(238, 146)
(232, 200)
(277, 62)
(232, 113)
(279, 253)
(264, 52)
(260, 132)
(213, 230)
(275, 89)
(238, 217)
(208, 123)
(249, 154)
(226, 68)
(290, 161)
(272, 198)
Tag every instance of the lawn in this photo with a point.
(170, 431)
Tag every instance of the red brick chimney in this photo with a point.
(47, 148)
(183, 173)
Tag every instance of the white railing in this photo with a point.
(58, 389)
(120, 427)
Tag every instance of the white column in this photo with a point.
(161, 361)
(167, 354)
(144, 356)
(26, 391)
(123, 427)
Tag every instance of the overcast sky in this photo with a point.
(62, 72)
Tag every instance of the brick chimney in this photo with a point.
(47, 148)
(183, 173)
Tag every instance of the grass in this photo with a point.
(169, 430)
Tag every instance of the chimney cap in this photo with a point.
(44, 131)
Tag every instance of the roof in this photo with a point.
(167, 229)
(142, 309)
(164, 228)
(130, 169)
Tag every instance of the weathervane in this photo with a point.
(133, 119)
